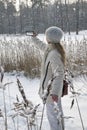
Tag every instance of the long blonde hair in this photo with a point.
(61, 50)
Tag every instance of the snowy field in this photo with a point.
(31, 86)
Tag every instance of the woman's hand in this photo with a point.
(54, 97)
(34, 34)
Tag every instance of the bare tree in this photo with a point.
(82, 14)
(67, 16)
(77, 16)
(2, 11)
(21, 26)
(38, 8)
(61, 14)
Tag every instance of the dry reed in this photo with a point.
(18, 53)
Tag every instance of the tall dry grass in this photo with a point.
(18, 53)
(76, 54)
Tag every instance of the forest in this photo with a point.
(38, 15)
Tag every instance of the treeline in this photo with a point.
(39, 16)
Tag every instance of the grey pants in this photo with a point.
(52, 116)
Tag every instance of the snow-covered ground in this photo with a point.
(31, 87)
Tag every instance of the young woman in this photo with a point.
(54, 54)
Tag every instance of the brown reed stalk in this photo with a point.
(26, 101)
(2, 76)
(75, 95)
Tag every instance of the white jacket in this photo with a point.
(55, 63)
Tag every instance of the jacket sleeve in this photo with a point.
(39, 44)
(57, 84)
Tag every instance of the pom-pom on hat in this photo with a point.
(53, 34)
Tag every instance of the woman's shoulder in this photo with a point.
(55, 53)
(54, 56)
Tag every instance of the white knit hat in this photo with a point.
(53, 34)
